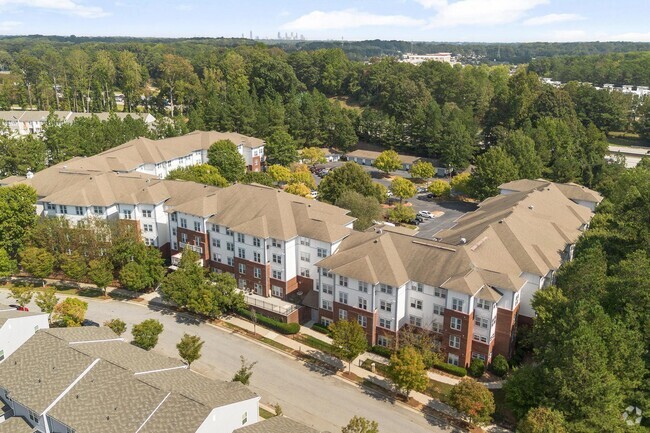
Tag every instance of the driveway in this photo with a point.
(306, 394)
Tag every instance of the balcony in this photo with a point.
(273, 305)
(176, 260)
(195, 248)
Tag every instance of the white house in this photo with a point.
(16, 327)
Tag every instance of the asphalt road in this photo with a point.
(314, 397)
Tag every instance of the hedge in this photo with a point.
(381, 350)
(276, 325)
(321, 328)
(451, 369)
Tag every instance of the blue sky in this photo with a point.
(418, 20)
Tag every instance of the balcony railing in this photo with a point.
(273, 305)
(194, 248)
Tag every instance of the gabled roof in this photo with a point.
(92, 381)
(277, 424)
(572, 191)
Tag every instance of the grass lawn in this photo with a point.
(627, 139)
(314, 342)
(438, 390)
(265, 413)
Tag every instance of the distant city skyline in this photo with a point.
(416, 20)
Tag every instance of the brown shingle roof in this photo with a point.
(277, 424)
(572, 191)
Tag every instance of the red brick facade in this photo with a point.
(506, 331)
(464, 352)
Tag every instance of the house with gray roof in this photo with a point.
(89, 380)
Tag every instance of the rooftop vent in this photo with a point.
(379, 231)
(463, 240)
(531, 207)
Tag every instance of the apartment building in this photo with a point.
(32, 122)
(269, 239)
(471, 285)
(88, 380)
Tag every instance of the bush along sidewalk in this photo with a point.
(451, 369)
(276, 325)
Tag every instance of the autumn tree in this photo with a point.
(69, 313)
(407, 371)
(146, 333)
(401, 214)
(313, 155)
(439, 188)
(279, 173)
(348, 340)
(473, 399)
(298, 188)
(542, 420)
(116, 325)
(387, 161)
(189, 348)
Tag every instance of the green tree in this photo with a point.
(439, 188)
(202, 173)
(176, 76)
(245, 372)
(313, 155)
(133, 276)
(422, 170)
(401, 214)
(69, 313)
(476, 367)
(360, 424)
(387, 161)
(74, 266)
(46, 300)
(522, 149)
(348, 340)
(542, 420)
(224, 155)
(493, 168)
(8, 266)
(349, 177)
(22, 294)
(500, 365)
(17, 216)
(366, 210)
(456, 144)
(298, 189)
(145, 334)
(402, 188)
(473, 399)
(189, 348)
(37, 261)
(258, 177)
(100, 273)
(280, 149)
(116, 325)
(407, 371)
(188, 287)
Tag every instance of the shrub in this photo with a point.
(318, 327)
(476, 367)
(276, 325)
(451, 369)
(500, 365)
(381, 350)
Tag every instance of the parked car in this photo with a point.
(389, 193)
(87, 322)
(18, 307)
(313, 194)
(415, 221)
(426, 214)
(421, 189)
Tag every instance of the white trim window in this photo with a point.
(277, 291)
(385, 323)
(482, 322)
(438, 310)
(362, 320)
(416, 303)
(456, 324)
(453, 359)
(327, 288)
(327, 305)
(385, 306)
(343, 314)
(454, 341)
(440, 293)
(363, 287)
(415, 321)
(343, 298)
(363, 303)
(457, 304)
(483, 304)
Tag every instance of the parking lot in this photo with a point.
(452, 209)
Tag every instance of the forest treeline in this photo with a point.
(615, 68)
(322, 98)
